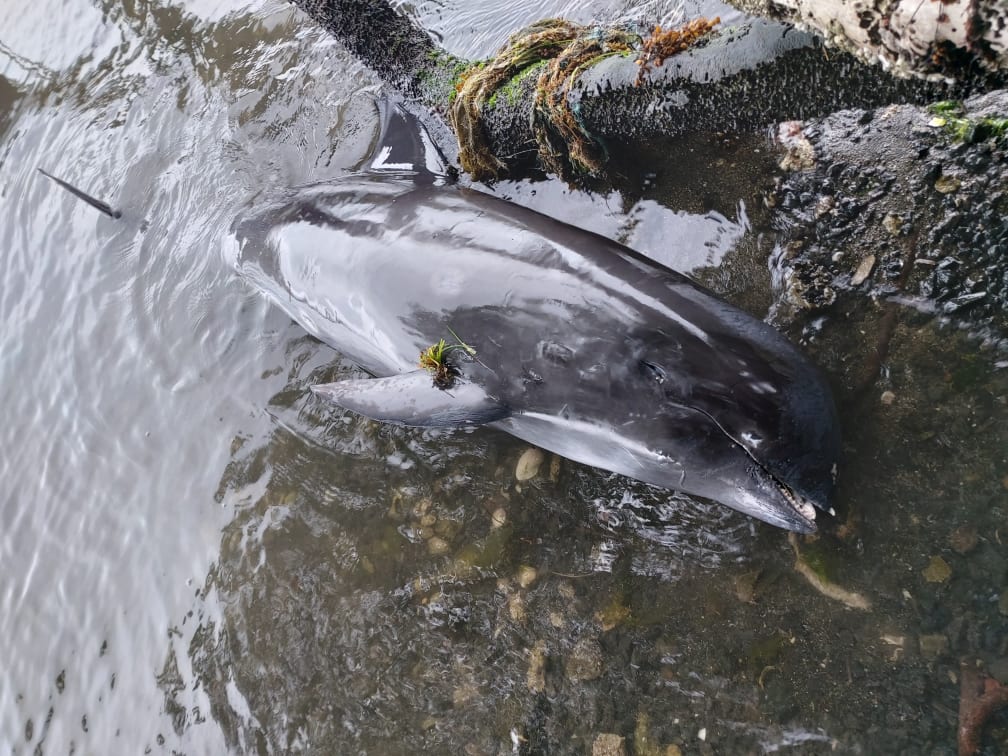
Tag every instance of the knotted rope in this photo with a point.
(570, 49)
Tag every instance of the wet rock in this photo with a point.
(1003, 603)
(824, 205)
(929, 200)
(937, 570)
(893, 224)
(947, 184)
(963, 539)
(467, 557)
(585, 661)
(799, 153)
(609, 744)
(495, 545)
(863, 271)
(963, 301)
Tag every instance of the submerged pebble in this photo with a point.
(529, 463)
(863, 271)
(964, 539)
(892, 223)
(437, 546)
(526, 576)
(516, 608)
(947, 184)
(554, 471)
(585, 661)
(535, 677)
(612, 614)
(937, 571)
(933, 646)
(609, 744)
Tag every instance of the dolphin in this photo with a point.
(561, 337)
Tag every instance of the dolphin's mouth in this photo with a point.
(804, 509)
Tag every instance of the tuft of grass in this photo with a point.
(436, 359)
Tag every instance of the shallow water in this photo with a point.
(198, 557)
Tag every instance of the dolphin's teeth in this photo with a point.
(806, 510)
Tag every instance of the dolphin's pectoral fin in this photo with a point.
(412, 399)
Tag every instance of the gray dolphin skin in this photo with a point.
(582, 346)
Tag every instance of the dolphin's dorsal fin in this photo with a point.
(404, 144)
(412, 399)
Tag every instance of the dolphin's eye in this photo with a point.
(653, 372)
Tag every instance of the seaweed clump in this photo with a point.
(664, 43)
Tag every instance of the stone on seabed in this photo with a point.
(529, 463)
(608, 744)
